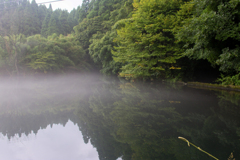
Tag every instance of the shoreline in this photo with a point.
(210, 85)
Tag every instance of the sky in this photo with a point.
(65, 4)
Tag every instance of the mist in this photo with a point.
(20, 90)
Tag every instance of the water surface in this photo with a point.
(90, 117)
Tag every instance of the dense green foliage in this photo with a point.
(29, 19)
(22, 48)
(146, 44)
(230, 80)
(143, 39)
(152, 39)
(211, 31)
(55, 53)
(95, 30)
(12, 49)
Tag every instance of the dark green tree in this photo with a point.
(65, 26)
(54, 25)
(72, 19)
(83, 10)
(44, 30)
(31, 23)
(210, 31)
(42, 12)
(86, 29)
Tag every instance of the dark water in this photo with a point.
(89, 117)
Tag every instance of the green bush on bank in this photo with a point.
(40, 54)
(230, 80)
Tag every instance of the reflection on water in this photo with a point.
(56, 142)
(62, 115)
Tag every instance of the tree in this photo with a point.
(54, 23)
(42, 12)
(31, 21)
(100, 51)
(96, 34)
(56, 53)
(72, 19)
(12, 51)
(146, 43)
(44, 30)
(211, 31)
(83, 10)
(65, 27)
(86, 29)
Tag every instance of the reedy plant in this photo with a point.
(189, 143)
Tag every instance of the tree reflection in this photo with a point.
(12, 125)
(131, 120)
(149, 120)
(28, 105)
(96, 124)
(216, 130)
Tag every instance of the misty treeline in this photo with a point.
(174, 39)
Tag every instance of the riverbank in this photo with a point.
(210, 85)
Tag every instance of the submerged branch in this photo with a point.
(189, 143)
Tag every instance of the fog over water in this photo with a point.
(24, 90)
(26, 96)
(91, 117)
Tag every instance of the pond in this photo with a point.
(92, 117)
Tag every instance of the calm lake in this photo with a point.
(91, 117)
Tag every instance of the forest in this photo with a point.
(178, 40)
